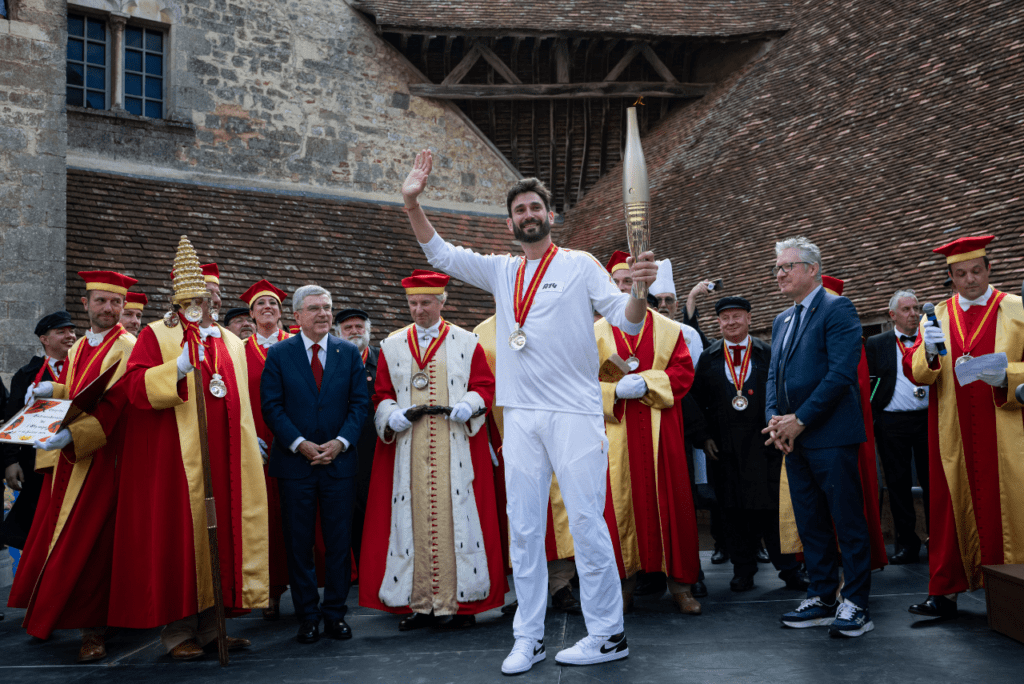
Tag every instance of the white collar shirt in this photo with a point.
(426, 335)
(96, 339)
(322, 353)
(904, 395)
(966, 304)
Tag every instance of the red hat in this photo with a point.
(109, 281)
(833, 285)
(136, 300)
(425, 282)
(617, 262)
(211, 273)
(965, 248)
(261, 289)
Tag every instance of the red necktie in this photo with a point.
(736, 358)
(318, 369)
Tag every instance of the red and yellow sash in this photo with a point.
(959, 327)
(77, 379)
(260, 351)
(521, 302)
(631, 348)
(744, 365)
(414, 345)
(366, 351)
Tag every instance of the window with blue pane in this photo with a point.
(3, 9)
(87, 57)
(144, 71)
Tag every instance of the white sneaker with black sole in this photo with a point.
(591, 650)
(525, 654)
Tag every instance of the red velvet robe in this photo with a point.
(161, 567)
(63, 579)
(867, 465)
(376, 532)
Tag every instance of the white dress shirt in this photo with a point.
(427, 335)
(806, 304)
(903, 398)
(95, 339)
(267, 342)
(966, 304)
(322, 355)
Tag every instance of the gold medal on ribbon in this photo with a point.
(959, 328)
(420, 379)
(522, 301)
(633, 347)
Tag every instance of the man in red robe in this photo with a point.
(131, 314)
(649, 509)
(265, 303)
(431, 544)
(167, 580)
(975, 431)
(63, 579)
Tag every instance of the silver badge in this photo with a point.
(920, 392)
(170, 319)
(964, 359)
(740, 403)
(633, 363)
(517, 340)
(420, 381)
(217, 386)
(194, 313)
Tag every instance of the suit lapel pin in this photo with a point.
(787, 319)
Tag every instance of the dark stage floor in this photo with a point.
(738, 639)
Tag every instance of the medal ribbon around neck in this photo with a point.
(959, 326)
(522, 302)
(366, 351)
(76, 379)
(414, 344)
(899, 343)
(744, 366)
(632, 348)
(260, 351)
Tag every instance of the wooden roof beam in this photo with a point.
(558, 91)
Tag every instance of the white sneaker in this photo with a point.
(525, 654)
(591, 650)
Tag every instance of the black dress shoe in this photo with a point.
(510, 609)
(796, 579)
(904, 556)
(935, 607)
(719, 556)
(763, 557)
(309, 632)
(459, 622)
(563, 600)
(651, 584)
(741, 583)
(337, 629)
(699, 589)
(417, 621)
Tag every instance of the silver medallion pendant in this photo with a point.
(740, 403)
(194, 313)
(919, 392)
(633, 363)
(218, 387)
(170, 319)
(964, 359)
(420, 381)
(517, 340)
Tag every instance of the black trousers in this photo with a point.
(902, 436)
(744, 529)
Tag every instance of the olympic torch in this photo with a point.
(636, 196)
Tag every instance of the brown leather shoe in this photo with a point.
(234, 644)
(92, 649)
(627, 602)
(687, 604)
(189, 649)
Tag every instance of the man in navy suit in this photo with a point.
(314, 399)
(814, 417)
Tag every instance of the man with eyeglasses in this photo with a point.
(900, 412)
(814, 417)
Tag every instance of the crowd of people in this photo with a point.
(575, 432)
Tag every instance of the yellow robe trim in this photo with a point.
(85, 430)
(487, 332)
(1009, 440)
(161, 388)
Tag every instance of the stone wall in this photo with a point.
(33, 142)
(287, 94)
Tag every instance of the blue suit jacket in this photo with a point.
(819, 381)
(292, 407)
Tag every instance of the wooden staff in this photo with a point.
(211, 517)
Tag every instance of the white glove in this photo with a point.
(398, 422)
(494, 455)
(933, 337)
(996, 378)
(58, 441)
(43, 389)
(185, 365)
(631, 387)
(263, 450)
(461, 412)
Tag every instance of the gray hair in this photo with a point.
(900, 294)
(308, 291)
(809, 251)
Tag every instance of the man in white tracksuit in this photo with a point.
(547, 384)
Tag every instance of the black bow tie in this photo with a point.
(907, 338)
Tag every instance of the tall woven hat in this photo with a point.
(188, 275)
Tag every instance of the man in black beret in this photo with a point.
(239, 321)
(729, 386)
(56, 333)
(354, 325)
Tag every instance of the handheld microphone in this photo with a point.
(929, 311)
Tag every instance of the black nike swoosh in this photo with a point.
(617, 647)
(538, 651)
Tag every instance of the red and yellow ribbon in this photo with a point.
(76, 380)
(959, 326)
(414, 345)
(521, 301)
(738, 381)
(258, 348)
(632, 348)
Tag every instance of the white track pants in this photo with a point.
(574, 447)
